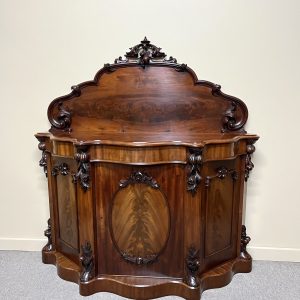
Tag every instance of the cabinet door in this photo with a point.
(65, 204)
(220, 211)
(139, 213)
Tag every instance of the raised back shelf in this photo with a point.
(158, 97)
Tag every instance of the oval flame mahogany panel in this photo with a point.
(140, 222)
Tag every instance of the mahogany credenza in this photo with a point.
(146, 167)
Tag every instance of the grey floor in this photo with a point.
(24, 276)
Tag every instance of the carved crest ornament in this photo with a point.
(139, 177)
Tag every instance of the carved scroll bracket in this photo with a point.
(87, 262)
(230, 121)
(192, 265)
(249, 164)
(221, 173)
(139, 177)
(83, 171)
(63, 119)
(43, 160)
(194, 163)
(245, 239)
(47, 233)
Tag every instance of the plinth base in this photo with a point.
(147, 287)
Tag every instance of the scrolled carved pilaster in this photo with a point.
(192, 262)
(249, 164)
(221, 173)
(83, 171)
(43, 160)
(47, 233)
(87, 262)
(245, 239)
(194, 162)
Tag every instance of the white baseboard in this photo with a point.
(274, 254)
(22, 244)
(257, 253)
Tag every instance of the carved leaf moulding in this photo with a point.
(146, 54)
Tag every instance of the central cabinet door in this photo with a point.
(139, 219)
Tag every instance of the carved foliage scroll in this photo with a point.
(192, 265)
(87, 262)
(221, 173)
(62, 169)
(194, 162)
(83, 171)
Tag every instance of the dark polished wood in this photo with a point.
(146, 167)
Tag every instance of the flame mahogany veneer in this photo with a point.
(146, 167)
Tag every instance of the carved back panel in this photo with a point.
(146, 93)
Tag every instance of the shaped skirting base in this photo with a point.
(147, 287)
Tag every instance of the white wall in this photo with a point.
(250, 47)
